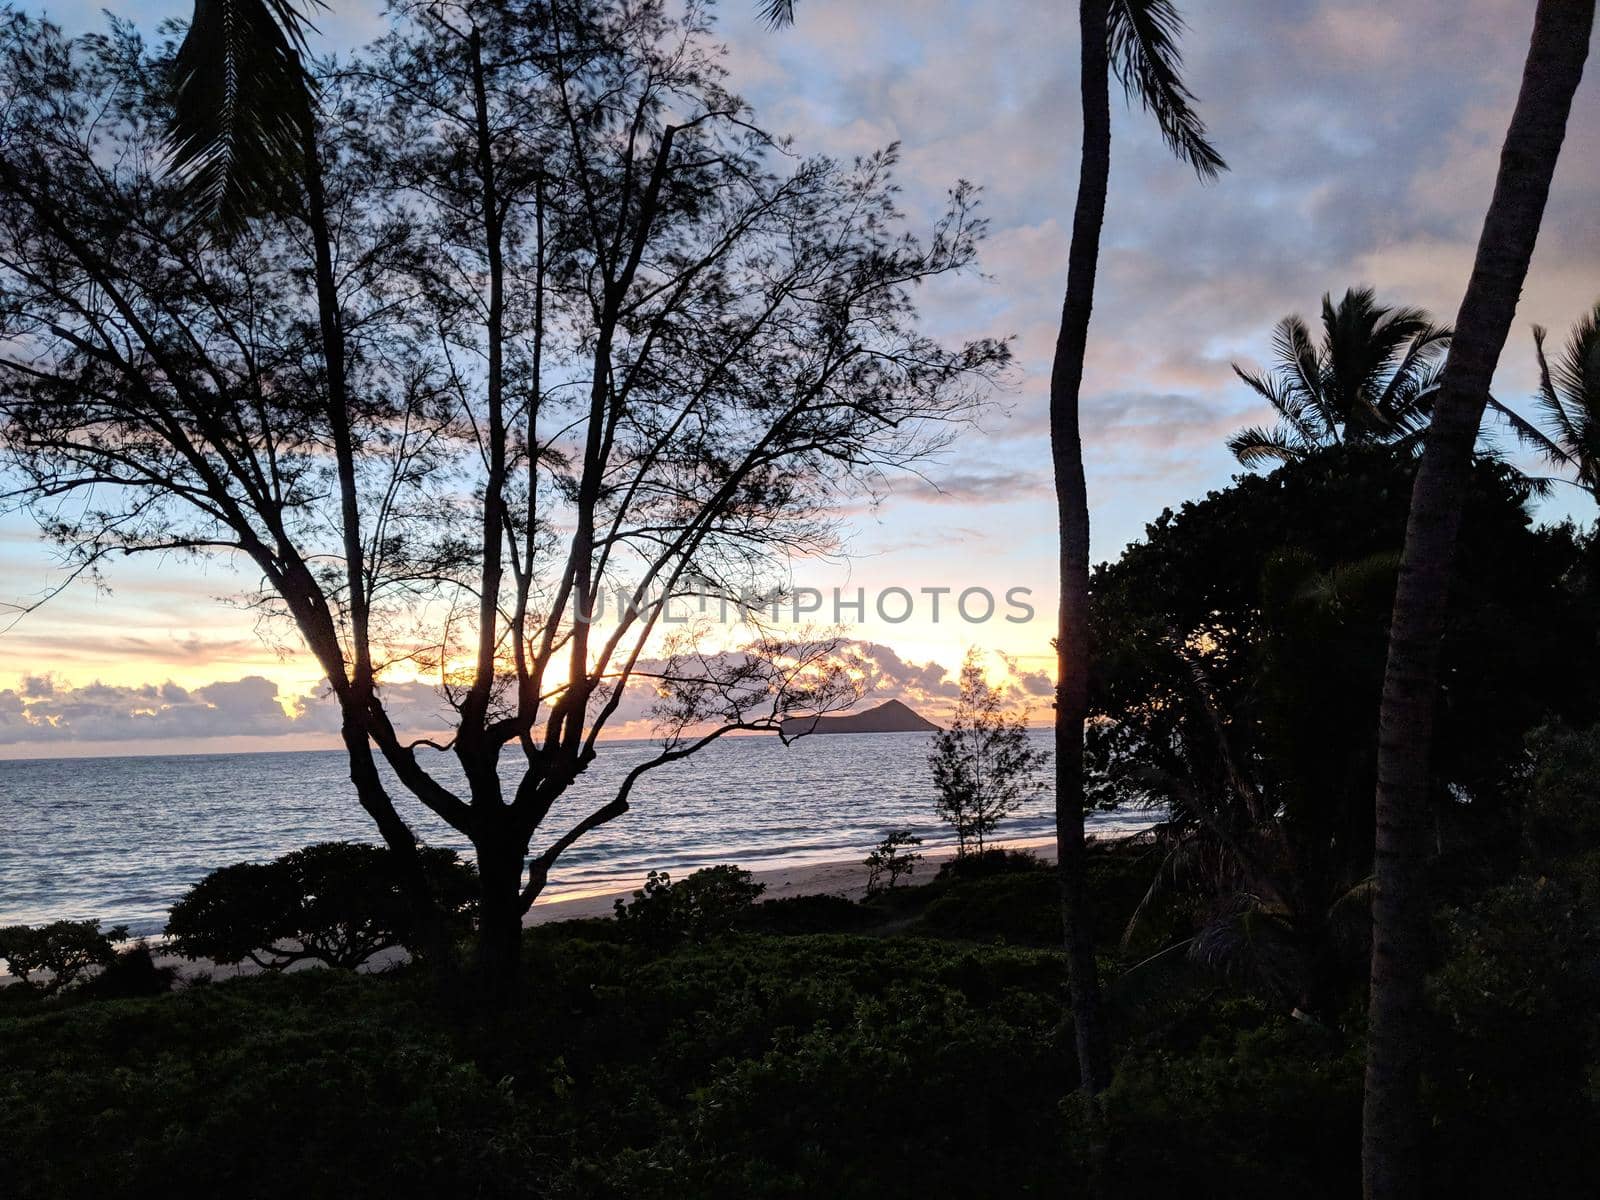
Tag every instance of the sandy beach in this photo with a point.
(839, 877)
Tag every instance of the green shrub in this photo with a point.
(337, 903)
(1561, 816)
(707, 903)
(807, 914)
(1023, 907)
(983, 864)
(1262, 1106)
(130, 974)
(343, 1082)
(57, 955)
(1516, 1036)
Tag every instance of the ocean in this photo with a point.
(122, 838)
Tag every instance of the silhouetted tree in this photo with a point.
(56, 956)
(894, 856)
(1138, 40)
(1240, 650)
(337, 903)
(1366, 382)
(569, 328)
(1393, 1120)
(982, 762)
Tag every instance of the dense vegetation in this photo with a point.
(909, 1046)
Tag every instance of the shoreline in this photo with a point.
(833, 877)
(836, 877)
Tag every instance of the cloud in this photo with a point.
(977, 486)
(44, 710)
(1363, 139)
(41, 709)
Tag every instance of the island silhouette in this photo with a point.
(889, 717)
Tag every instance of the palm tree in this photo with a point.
(1567, 432)
(1367, 381)
(1392, 1122)
(1138, 41)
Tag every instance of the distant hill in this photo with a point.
(889, 717)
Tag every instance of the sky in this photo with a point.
(1362, 140)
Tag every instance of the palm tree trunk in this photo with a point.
(1392, 1124)
(1072, 509)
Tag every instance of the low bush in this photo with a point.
(1022, 907)
(1511, 1061)
(132, 973)
(807, 914)
(338, 903)
(706, 903)
(52, 957)
(1260, 1105)
(981, 865)
(797, 1066)
(1561, 815)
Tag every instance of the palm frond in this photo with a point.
(1142, 39)
(1254, 446)
(1345, 584)
(1415, 371)
(1246, 939)
(242, 97)
(778, 14)
(1578, 374)
(1531, 435)
(1287, 398)
(1394, 331)
(1356, 899)
(1162, 884)
(1291, 341)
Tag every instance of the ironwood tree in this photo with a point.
(538, 320)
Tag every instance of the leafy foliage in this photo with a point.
(797, 1065)
(891, 859)
(1517, 1035)
(983, 764)
(705, 904)
(56, 956)
(986, 863)
(790, 915)
(1240, 657)
(1561, 811)
(1368, 380)
(337, 903)
(132, 973)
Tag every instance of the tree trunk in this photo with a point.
(1072, 509)
(499, 925)
(1392, 1125)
